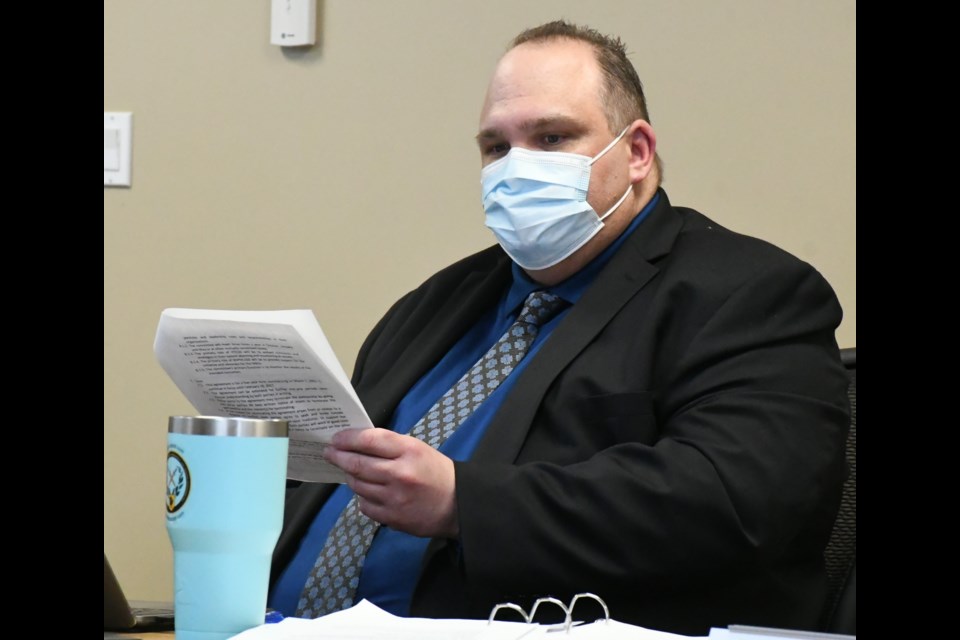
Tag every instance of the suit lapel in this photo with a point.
(626, 274)
(418, 338)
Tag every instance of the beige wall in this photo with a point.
(340, 177)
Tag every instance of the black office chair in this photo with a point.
(840, 612)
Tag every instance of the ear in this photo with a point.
(643, 150)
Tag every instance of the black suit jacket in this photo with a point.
(676, 446)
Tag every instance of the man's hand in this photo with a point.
(402, 482)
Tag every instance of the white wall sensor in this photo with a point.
(293, 23)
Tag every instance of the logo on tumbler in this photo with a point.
(178, 482)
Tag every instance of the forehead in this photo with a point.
(560, 76)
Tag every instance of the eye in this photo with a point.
(552, 139)
(496, 150)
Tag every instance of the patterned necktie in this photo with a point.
(332, 583)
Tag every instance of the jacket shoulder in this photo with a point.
(708, 251)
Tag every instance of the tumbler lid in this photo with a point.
(222, 426)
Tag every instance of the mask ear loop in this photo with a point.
(629, 187)
(619, 202)
(609, 146)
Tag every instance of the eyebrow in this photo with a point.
(533, 124)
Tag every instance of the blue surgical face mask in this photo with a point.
(536, 204)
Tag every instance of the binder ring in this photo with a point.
(592, 596)
(508, 605)
(566, 611)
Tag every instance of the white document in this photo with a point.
(264, 364)
(366, 621)
(614, 630)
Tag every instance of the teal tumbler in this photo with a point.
(226, 479)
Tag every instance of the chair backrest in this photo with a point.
(840, 614)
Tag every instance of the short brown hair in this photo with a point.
(622, 92)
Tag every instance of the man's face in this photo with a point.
(546, 96)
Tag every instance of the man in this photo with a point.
(670, 438)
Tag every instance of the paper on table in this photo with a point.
(264, 364)
(366, 621)
(614, 630)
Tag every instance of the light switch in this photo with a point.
(111, 149)
(117, 132)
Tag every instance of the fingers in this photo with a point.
(367, 490)
(400, 481)
(376, 501)
(379, 443)
(376, 456)
(368, 454)
(373, 510)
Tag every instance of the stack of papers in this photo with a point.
(264, 364)
(366, 621)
